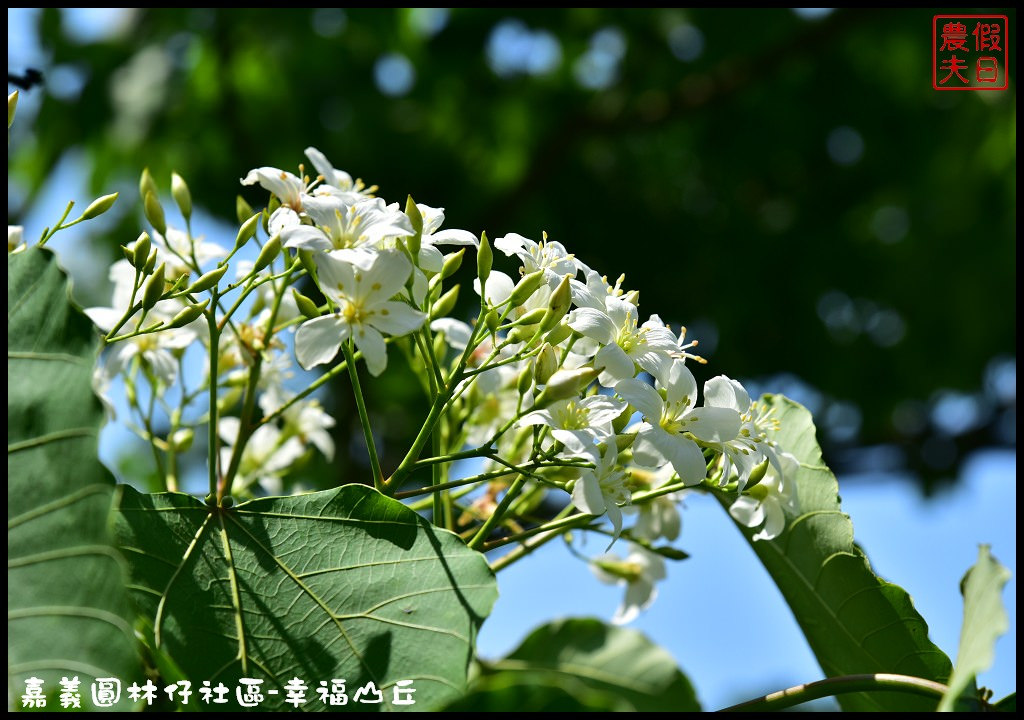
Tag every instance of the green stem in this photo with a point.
(428, 502)
(211, 321)
(323, 379)
(59, 226)
(838, 686)
(532, 544)
(499, 512)
(561, 524)
(364, 419)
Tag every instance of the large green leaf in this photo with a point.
(586, 664)
(854, 621)
(984, 621)
(67, 609)
(343, 584)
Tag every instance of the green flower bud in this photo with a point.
(628, 571)
(99, 206)
(129, 254)
(619, 423)
(208, 280)
(531, 318)
(147, 268)
(452, 263)
(188, 315)
(306, 306)
(484, 258)
(270, 251)
(413, 213)
(243, 210)
(182, 197)
(12, 106)
(247, 230)
(525, 380)
(558, 306)
(154, 289)
(525, 288)
(560, 333)
(155, 213)
(140, 252)
(182, 439)
(492, 320)
(147, 185)
(564, 384)
(546, 364)
(306, 258)
(444, 304)
(757, 474)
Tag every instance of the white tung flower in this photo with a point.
(664, 436)
(624, 345)
(289, 189)
(578, 423)
(751, 446)
(340, 225)
(639, 572)
(768, 502)
(548, 256)
(267, 455)
(602, 489)
(361, 285)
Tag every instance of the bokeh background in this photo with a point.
(785, 183)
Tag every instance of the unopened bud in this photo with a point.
(247, 230)
(146, 184)
(154, 289)
(306, 258)
(546, 364)
(147, 268)
(525, 288)
(492, 320)
(140, 251)
(484, 258)
(306, 306)
(560, 333)
(416, 219)
(270, 251)
(531, 318)
(564, 384)
(525, 380)
(129, 254)
(243, 210)
(182, 197)
(188, 315)
(444, 304)
(558, 305)
(155, 213)
(628, 571)
(182, 439)
(99, 206)
(452, 263)
(208, 280)
(12, 106)
(757, 474)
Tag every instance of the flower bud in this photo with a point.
(452, 263)
(526, 288)
(444, 304)
(154, 289)
(99, 206)
(181, 440)
(146, 184)
(155, 213)
(525, 380)
(129, 254)
(208, 280)
(306, 306)
(247, 230)
(492, 320)
(531, 318)
(564, 384)
(306, 258)
(484, 258)
(12, 106)
(188, 315)
(243, 210)
(558, 306)
(416, 218)
(627, 571)
(270, 251)
(546, 364)
(757, 474)
(140, 251)
(182, 197)
(147, 268)
(560, 333)
(621, 421)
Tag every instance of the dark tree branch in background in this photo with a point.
(26, 81)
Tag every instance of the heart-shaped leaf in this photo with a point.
(344, 584)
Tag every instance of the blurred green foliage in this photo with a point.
(791, 188)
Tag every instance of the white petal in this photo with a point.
(284, 456)
(594, 324)
(375, 352)
(641, 396)
(575, 441)
(227, 428)
(456, 332)
(282, 218)
(679, 384)
(537, 417)
(430, 258)
(774, 519)
(747, 511)
(453, 237)
(305, 237)
(317, 341)
(499, 287)
(722, 391)
(684, 455)
(385, 278)
(639, 596)
(616, 363)
(395, 318)
(713, 424)
(513, 243)
(105, 318)
(602, 409)
(586, 495)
